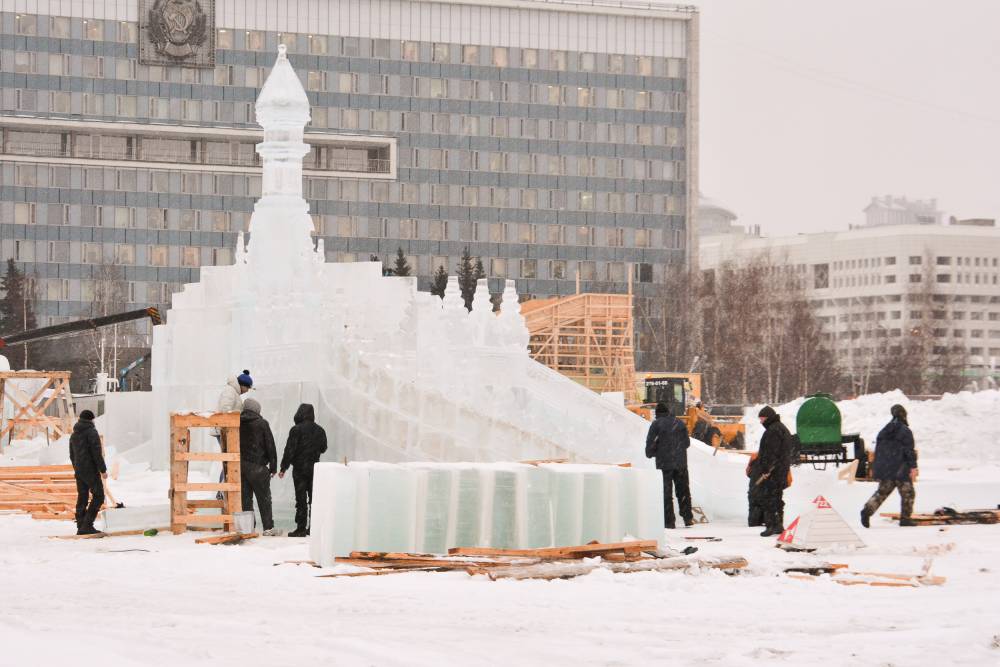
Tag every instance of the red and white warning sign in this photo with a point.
(820, 527)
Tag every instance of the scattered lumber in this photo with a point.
(545, 563)
(226, 538)
(45, 492)
(119, 533)
(841, 575)
(946, 516)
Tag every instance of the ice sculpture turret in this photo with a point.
(280, 228)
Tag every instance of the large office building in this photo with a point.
(871, 284)
(552, 139)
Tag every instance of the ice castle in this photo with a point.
(395, 374)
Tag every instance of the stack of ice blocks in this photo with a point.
(430, 507)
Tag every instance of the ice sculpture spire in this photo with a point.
(280, 230)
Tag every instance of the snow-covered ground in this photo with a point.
(166, 601)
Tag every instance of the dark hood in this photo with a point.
(248, 416)
(82, 425)
(305, 413)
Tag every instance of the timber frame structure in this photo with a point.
(30, 413)
(182, 510)
(586, 337)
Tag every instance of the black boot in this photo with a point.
(865, 516)
(299, 532)
(907, 522)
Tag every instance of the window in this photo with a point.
(470, 125)
(558, 60)
(584, 236)
(916, 260)
(498, 267)
(189, 220)
(498, 232)
(944, 277)
(59, 251)
(643, 272)
(315, 80)
(91, 253)
(440, 53)
(470, 196)
(643, 238)
(587, 62)
(128, 32)
(945, 261)
(529, 268)
(470, 55)
(411, 51)
(890, 261)
(224, 39)
(499, 56)
(125, 254)
(439, 88)
(255, 40)
(158, 255)
(587, 270)
(347, 82)
(407, 229)
(529, 58)
(586, 201)
(643, 100)
(24, 213)
(644, 65)
(25, 24)
(190, 256)
(616, 64)
(525, 233)
(916, 278)
(437, 230)
(317, 45)
(616, 237)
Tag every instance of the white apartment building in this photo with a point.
(860, 280)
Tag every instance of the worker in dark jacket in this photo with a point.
(667, 441)
(770, 470)
(895, 467)
(306, 443)
(89, 470)
(258, 462)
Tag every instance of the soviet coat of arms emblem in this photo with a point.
(179, 32)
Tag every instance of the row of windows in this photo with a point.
(194, 111)
(123, 254)
(966, 278)
(439, 52)
(878, 316)
(352, 190)
(914, 260)
(896, 350)
(895, 333)
(122, 217)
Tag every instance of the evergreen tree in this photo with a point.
(17, 313)
(401, 267)
(439, 282)
(467, 278)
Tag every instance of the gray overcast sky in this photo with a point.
(809, 108)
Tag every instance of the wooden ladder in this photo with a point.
(182, 509)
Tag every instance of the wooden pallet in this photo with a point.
(183, 514)
(30, 413)
(46, 492)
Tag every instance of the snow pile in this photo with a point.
(428, 508)
(958, 427)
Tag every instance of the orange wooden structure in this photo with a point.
(182, 509)
(47, 408)
(586, 337)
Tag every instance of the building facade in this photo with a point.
(871, 285)
(551, 139)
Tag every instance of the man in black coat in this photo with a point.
(895, 468)
(89, 470)
(258, 462)
(770, 470)
(668, 441)
(306, 442)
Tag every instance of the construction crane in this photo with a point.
(69, 328)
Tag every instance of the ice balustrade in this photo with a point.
(430, 507)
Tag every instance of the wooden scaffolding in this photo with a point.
(48, 408)
(586, 337)
(183, 511)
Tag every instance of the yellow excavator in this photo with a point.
(681, 392)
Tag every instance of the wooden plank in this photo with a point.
(203, 518)
(117, 533)
(228, 538)
(373, 573)
(205, 504)
(206, 486)
(19, 469)
(34, 375)
(208, 456)
(212, 420)
(233, 500)
(179, 438)
(559, 552)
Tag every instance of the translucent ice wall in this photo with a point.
(428, 508)
(395, 374)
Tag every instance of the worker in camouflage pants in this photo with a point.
(895, 468)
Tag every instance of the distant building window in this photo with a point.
(557, 269)
(944, 277)
(470, 55)
(529, 58)
(93, 29)
(916, 260)
(317, 45)
(255, 40)
(190, 256)
(224, 39)
(587, 270)
(500, 56)
(498, 267)
(644, 272)
(890, 261)
(411, 51)
(529, 268)
(440, 53)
